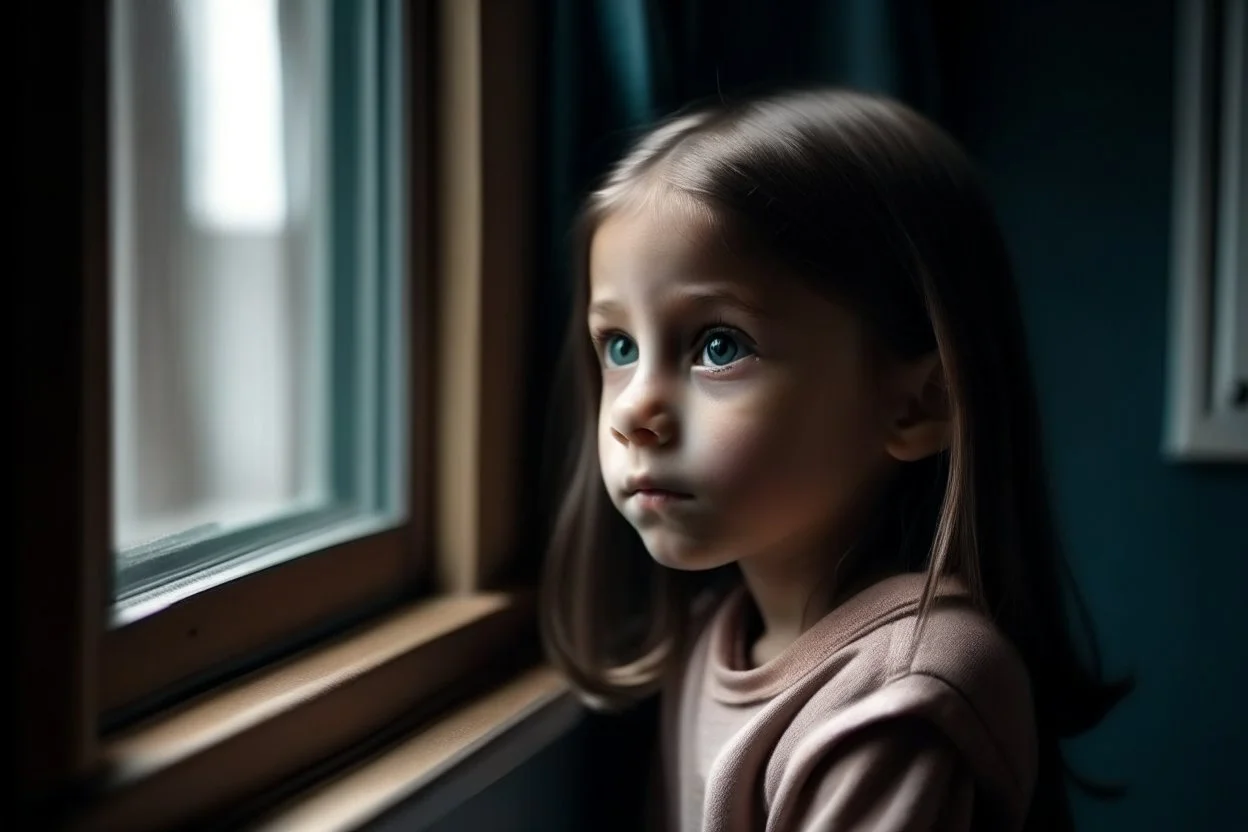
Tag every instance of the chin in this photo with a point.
(683, 556)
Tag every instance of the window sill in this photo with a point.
(428, 774)
(287, 724)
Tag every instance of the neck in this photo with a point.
(788, 600)
(795, 587)
(792, 592)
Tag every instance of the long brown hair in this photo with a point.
(873, 204)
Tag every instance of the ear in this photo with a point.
(920, 422)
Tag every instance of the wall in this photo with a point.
(1070, 119)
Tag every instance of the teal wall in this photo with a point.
(1073, 133)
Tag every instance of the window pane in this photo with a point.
(255, 181)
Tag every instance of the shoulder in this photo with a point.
(871, 647)
(967, 678)
(964, 687)
(963, 666)
(962, 648)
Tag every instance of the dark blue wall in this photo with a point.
(1071, 122)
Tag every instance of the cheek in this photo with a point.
(605, 441)
(733, 445)
(787, 444)
(612, 456)
(749, 446)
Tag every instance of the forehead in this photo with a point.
(648, 250)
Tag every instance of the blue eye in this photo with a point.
(620, 351)
(722, 348)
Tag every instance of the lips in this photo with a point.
(655, 486)
(655, 493)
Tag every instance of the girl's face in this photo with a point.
(743, 416)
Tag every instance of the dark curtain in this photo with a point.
(610, 67)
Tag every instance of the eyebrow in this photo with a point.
(694, 297)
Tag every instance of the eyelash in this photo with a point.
(601, 338)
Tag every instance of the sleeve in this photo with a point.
(891, 776)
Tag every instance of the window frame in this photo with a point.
(77, 678)
(1207, 279)
(200, 640)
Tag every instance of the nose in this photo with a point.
(643, 415)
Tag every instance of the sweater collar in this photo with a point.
(731, 682)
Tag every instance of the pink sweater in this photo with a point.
(843, 732)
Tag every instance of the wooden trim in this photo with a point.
(429, 756)
(485, 107)
(252, 736)
(95, 559)
(173, 648)
(62, 248)
(419, 257)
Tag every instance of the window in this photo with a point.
(268, 406)
(256, 199)
(242, 336)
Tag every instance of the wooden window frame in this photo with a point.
(200, 639)
(379, 633)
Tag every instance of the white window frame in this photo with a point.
(1207, 411)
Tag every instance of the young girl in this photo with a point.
(805, 394)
